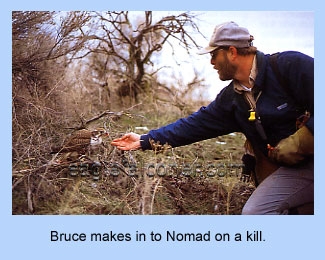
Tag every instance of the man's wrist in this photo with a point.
(144, 143)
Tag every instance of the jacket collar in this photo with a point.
(261, 66)
(239, 88)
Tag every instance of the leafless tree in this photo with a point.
(40, 44)
(40, 55)
(127, 46)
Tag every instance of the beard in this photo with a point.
(226, 70)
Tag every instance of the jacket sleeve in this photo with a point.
(298, 69)
(214, 120)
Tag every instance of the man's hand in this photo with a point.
(293, 149)
(130, 141)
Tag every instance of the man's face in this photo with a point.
(221, 63)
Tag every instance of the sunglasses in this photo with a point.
(215, 52)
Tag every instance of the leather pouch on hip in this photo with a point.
(295, 148)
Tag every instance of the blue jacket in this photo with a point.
(277, 106)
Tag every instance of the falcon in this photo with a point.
(80, 143)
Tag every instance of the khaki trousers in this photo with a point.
(281, 189)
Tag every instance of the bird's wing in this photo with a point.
(78, 140)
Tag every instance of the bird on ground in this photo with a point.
(80, 142)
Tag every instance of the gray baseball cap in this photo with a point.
(228, 34)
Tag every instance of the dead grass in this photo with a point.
(49, 189)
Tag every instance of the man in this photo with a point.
(273, 105)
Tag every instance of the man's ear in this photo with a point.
(232, 52)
